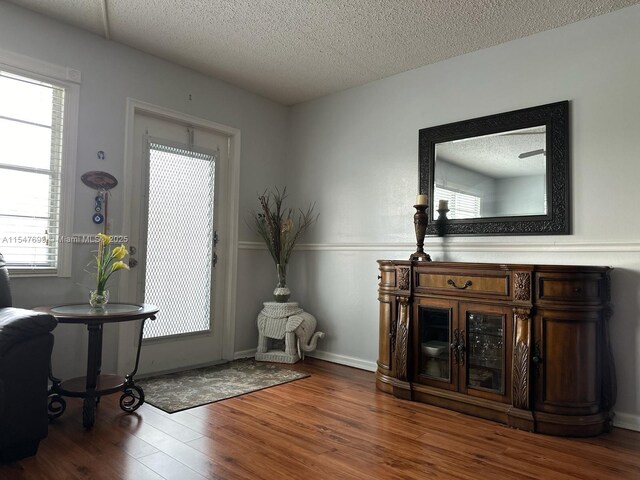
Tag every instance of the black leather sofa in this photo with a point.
(25, 353)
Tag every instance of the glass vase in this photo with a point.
(98, 299)
(282, 293)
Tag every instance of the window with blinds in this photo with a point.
(461, 205)
(31, 152)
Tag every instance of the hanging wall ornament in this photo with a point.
(98, 217)
(99, 180)
(103, 182)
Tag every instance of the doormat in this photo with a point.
(178, 391)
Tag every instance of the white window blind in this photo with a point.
(461, 205)
(31, 148)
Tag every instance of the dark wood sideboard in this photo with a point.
(525, 345)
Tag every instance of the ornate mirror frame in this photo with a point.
(555, 116)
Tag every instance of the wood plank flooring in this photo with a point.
(332, 425)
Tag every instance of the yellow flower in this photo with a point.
(120, 252)
(119, 266)
(104, 239)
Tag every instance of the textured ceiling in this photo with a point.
(296, 50)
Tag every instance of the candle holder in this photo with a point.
(420, 219)
(441, 222)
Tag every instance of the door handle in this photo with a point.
(461, 346)
(457, 347)
(454, 350)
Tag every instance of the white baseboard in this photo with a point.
(627, 420)
(344, 360)
(329, 357)
(244, 354)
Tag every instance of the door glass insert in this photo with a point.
(485, 350)
(180, 242)
(434, 331)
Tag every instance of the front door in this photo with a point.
(174, 241)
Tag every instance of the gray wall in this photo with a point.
(111, 73)
(520, 195)
(355, 154)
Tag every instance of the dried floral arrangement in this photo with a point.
(281, 227)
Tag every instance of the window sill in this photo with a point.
(17, 272)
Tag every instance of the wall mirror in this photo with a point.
(504, 174)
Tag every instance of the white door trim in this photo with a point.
(230, 216)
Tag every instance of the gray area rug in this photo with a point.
(183, 390)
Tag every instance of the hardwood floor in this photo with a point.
(332, 425)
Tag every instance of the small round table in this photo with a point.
(95, 384)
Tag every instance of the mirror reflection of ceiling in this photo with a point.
(516, 153)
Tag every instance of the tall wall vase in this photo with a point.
(98, 300)
(282, 293)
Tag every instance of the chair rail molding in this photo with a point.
(463, 246)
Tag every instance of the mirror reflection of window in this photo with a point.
(504, 171)
(461, 205)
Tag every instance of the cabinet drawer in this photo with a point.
(561, 288)
(464, 283)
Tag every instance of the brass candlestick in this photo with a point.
(420, 222)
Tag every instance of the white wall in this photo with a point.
(355, 154)
(111, 73)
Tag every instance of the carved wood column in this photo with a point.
(521, 358)
(402, 339)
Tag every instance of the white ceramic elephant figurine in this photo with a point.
(303, 327)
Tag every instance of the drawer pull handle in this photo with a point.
(453, 284)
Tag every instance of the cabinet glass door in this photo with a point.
(485, 352)
(434, 330)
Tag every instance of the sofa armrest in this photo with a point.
(17, 325)
(5, 289)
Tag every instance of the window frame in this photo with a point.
(69, 79)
